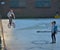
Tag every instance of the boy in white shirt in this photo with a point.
(10, 15)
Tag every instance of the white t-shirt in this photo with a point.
(9, 14)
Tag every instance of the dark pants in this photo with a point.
(53, 37)
(10, 20)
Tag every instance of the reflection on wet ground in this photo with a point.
(26, 37)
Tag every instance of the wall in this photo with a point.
(30, 10)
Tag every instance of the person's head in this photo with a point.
(54, 22)
(11, 10)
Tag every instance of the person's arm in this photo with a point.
(8, 14)
(13, 15)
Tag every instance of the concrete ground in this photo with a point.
(25, 36)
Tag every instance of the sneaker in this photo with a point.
(52, 42)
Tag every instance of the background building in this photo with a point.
(31, 8)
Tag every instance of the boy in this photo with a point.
(10, 15)
(54, 31)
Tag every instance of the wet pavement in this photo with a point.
(29, 34)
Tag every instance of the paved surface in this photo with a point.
(25, 36)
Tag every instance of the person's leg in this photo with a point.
(10, 21)
(13, 24)
(52, 37)
(9, 24)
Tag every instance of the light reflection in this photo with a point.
(7, 31)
